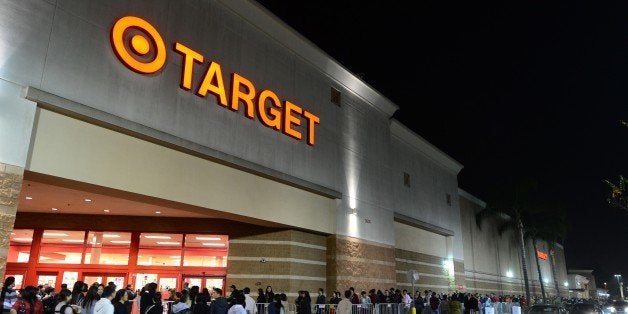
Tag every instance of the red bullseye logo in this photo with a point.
(132, 39)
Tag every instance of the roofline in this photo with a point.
(286, 36)
(424, 147)
(471, 198)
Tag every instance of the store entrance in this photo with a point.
(203, 281)
(119, 279)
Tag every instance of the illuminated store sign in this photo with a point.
(542, 255)
(132, 40)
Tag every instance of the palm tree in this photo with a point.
(553, 230)
(511, 205)
(533, 231)
(618, 196)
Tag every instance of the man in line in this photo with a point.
(104, 306)
(249, 302)
(344, 306)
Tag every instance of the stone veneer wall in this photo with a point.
(10, 188)
(288, 261)
(434, 274)
(357, 263)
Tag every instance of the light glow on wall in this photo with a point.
(509, 274)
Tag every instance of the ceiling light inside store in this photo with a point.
(55, 234)
(208, 238)
(214, 244)
(72, 240)
(120, 241)
(54, 209)
(109, 235)
(29, 198)
(168, 243)
(88, 200)
(157, 212)
(106, 210)
(23, 239)
(157, 237)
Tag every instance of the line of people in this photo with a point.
(82, 299)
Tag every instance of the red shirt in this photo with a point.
(39, 307)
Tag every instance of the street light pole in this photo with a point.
(620, 284)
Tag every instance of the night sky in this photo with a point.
(507, 89)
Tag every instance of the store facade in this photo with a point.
(209, 119)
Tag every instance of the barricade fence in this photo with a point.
(395, 308)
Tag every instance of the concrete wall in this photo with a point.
(493, 262)
(62, 49)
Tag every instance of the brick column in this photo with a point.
(10, 188)
(288, 260)
(364, 265)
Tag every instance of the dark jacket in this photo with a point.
(304, 306)
(321, 299)
(434, 303)
(201, 308)
(219, 306)
(120, 308)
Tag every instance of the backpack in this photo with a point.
(49, 305)
(434, 303)
(62, 309)
(147, 309)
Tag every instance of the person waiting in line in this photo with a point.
(320, 301)
(345, 305)
(284, 300)
(104, 305)
(120, 302)
(28, 302)
(64, 306)
(279, 305)
(232, 289)
(194, 292)
(9, 295)
(270, 295)
(249, 302)
(178, 306)
(261, 297)
(156, 307)
(219, 304)
(90, 300)
(239, 301)
(200, 305)
(304, 306)
(77, 294)
(147, 298)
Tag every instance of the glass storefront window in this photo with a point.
(111, 248)
(69, 278)
(62, 247)
(20, 246)
(160, 249)
(205, 250)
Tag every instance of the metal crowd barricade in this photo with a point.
(262, 308)
(362, 309)
(324, 309)
(391, 308)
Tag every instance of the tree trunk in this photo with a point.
(524, 266)
(553, 265)
(538, 269)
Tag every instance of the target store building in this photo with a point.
(205, 141)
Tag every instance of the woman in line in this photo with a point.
(9, 295)
(90, 300)
(77, 297)
(119, 302)
(28, 302)
(270, 295)
(64, 307)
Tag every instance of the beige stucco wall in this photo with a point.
(420, 241)
(77, 150)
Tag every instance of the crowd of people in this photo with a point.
(82, 298)
(98, 298)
